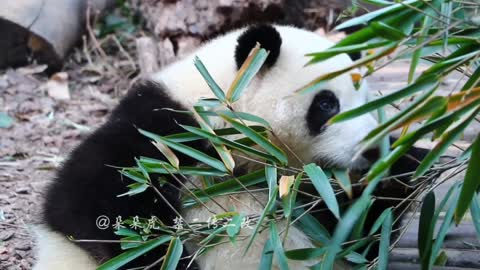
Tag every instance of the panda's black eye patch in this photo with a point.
(323, 107)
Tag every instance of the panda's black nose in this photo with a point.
(372, 155)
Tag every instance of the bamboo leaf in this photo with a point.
(233, 228)
(447, 139)
(319, 82)
(323, 187)
(187, 150)
(372, 15)
(128, 256)
(217, 91)
(271, 176)
(424, 84)
(471, 183)
(473, 81)
(233, 144)
(258, 139)
(135, 188)
(247, 71)
(168, 153)
(343, 229)
(475, 212)
(344, 181)
(446, 225)
(267, 256)
(134, 175)
(174, 252)
(289, 200)
(384, 248)
(277, 247)
(425, 228)
(311, 227)
(333, 51)
(386, 31)
(227, 186)
(267, 210)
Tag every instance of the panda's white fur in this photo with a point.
(271, 95)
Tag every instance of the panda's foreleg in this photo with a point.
(56, 252)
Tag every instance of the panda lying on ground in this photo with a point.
(85, 188)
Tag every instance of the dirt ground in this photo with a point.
(46, 128)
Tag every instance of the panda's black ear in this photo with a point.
(266, 35)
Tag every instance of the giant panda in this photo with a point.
(86, 187)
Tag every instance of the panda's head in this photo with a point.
(299, 121)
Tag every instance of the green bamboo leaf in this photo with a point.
(233, 228)
(134, 175)
(134, 189)
(383, 164)
(233, 144)
(356, 258)
(359, 227)
(439, 122)
(441, 259)
(188, 136)
(267, 210)
(380, 3)
(384, 248)
(344, 181)
(343, 230)
(418, 49)
(126, 232)
(323, 187)
(319, 82)
(475, 212)
(304, 254)
(290, 199)
(247, 71)
(187, 150)
(424, 84)
(246, 117)
(208, 102)
(386, 31)
(416, 110)
(217, 91)
(227, 186)
(258, 139)
(372, 15)
(425, 228)
(271, 176)
(174, 252)
(311, 227)
(128, 256)
(165, 168)
(277, 247)
(379, 221)
(470, 183)
(473, 81)
(130, 242)
(445, 66)
(446, 225)
(267, 256)
(447, 139)
(333, 51)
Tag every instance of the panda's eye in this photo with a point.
(326, 101)
(324, 105)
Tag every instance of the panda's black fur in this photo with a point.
(86, 187)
